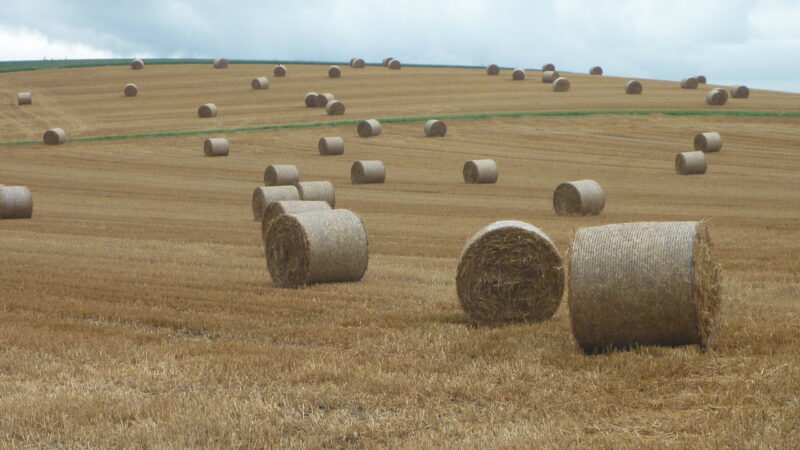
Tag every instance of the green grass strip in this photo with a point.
(340, 123)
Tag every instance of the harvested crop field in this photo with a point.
(136, 308)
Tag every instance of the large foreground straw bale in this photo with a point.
(137, 64)
(260, 83)
(281, 175)
(549, 76)
(645, 283)
(24, 98)
(216, 147)
(279, 71)
(549, 67)
(708, 142)
(596, 70)
(583, 197)
(366, 172)
(510, 271)
(334, 72)
(480, 171)
(435, 127)
(740, 91)
(395, 65)
(277, 209)
(331, 146)
(690, 163)
(369, 128)
(633, 87)
(717, 97)
(358, 63)
(311, 99)
(518, 75)
(265, 195)
(561, 84)
(323, 99)
(689, 83)
(16, 202)
(334, 108)
(316, 247)
(207, 110)
(220, 63)
(317, 190)
(131, 90)
(493, 69)
(55, 136)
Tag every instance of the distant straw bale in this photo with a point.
(216, 147)
(369, 128)
(386, 61)
(596, 70)
(24, 98)
(265, 195)
(717, 97)
(331, 146)
(311, 99)
(549, 67)
(358, 63)
(281, 175)
(561, 84)
(690, 163)
(510, 271)
(334, 108)
(334, 72)
(395, 65)
(365, 172)
(708, 142)
(633, 87)
(279, 71)
(435, 127)
(317, 190)
(579, 198)
(689, 83)
(480, 171)
(701, 79)
(260, 83)
(16, 202)
(518, 75)
(137, 64)
(645, 283)
(55, 136)
(323, 99)
(493, 69)
(549, 76)
(277, 209)
(131, 90)
(220, 63)
(207, 110)
(740, 91)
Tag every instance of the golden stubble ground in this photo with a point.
(136, 309)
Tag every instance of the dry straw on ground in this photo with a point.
(281, 175)
(137, 64)
(369, 128)
(207, 110)
(701, 79)
(220, 63)
(395, 65)
(561, 85)
(323, 99)
(518, 75)
(510, 271)
(689, 83)
(316, 247)
(334, 108)
(646, 283)
(549, 76)
(596, 70)
(279, 70)
(317, 190)
(311, 99)
(435, 127)
(480, 171)
(16, 202)
(277, 209)
(260, 83)
(131, 90)
(216, 147)
(357, 63)
(633, 87)
(367, 172)
(334, 72)
(331, 146)
(717, 97)
(690, 163)
(264, 195)
(579, 198)
(55, 136)
(24, 98)
(740, 91)
(493, 69)
(549, 67)
(708, 142)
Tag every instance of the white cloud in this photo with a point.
(24, 44)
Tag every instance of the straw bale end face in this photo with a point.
(216, 147)
(740, 91)
(548, 67)
(55, 136)
(131, 90)
(206, 111)
(493, 69)
(220, 63)
(510, 271)
(518, 75)
(717, 97)
(369, 128)
(367, 172)
(279, 71)
(16, 202)
(690, 163)
(701, 79)
(633, 87)
(579, 198)
(358, 63)
(561, 84)
(386, 61)
(260, 83)
(334, 72)
(24, 98)
(311, 99)
(137, 64)
(435, 127)
(334, 108)
(596, 70)
(395, 65)
(480, 171)
(708, 142)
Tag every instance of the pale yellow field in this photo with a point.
(136, 309)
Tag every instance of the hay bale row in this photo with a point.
(334, 108)
(328, 146)
(137, 64)
(690, 163)
(549, 76)
(561, 84)
(277, 209)
(357, 63)
(279, 71)
(55, 136)
(24, 98)
(316, 247)
(716, 97)
(206, 111)
(16, 202)
(281, 175)
(642, 284)
(317, 190)
(492, 69)
(579, 198)
(708, 142)
(131, 90)
(435, 127)
(323, 99)
(334, 72)
(369, 128)
(264, 195)
(220, 63)
(596, 70)
(689, 83)
(518, 74)
(366, 172)
(260, 83)
(549, 67)
(633, 87)
(216, 147)
(510, 271)
(480, 171)
(740, 91)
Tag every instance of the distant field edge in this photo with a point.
(509, 115)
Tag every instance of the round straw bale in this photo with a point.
(435, 127)
(260, 83)
(633, 87)
(364, 172)
(207, 110)
(386, 61)
(561, 85)
(690, 163)
(708, 142)
(24, 98)
(277, 209)
(510, 271)
(701, 79)
(264, 195)
(518, 75)
(311, 99)
(740, 91)
(137, 64)
(323, 99)
(579, 198)
(216, 147)
(717, 97)
(596, 70)
(279, 71)
(334, 108)
(645, 283)
(358, 63)
(689, 83)
(316, 247)
(395, 64)
(16, 202)
(220, 63)
(331, 146)
(549, 76)
(334, 72)
(317, 190)
(369, 128)
(55, 136)
(480, 171)
(549, 67)
(281, 175)
(131, 90)
(493, 69)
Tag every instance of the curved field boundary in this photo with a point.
(340, 123)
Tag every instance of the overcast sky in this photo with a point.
(753, 42)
